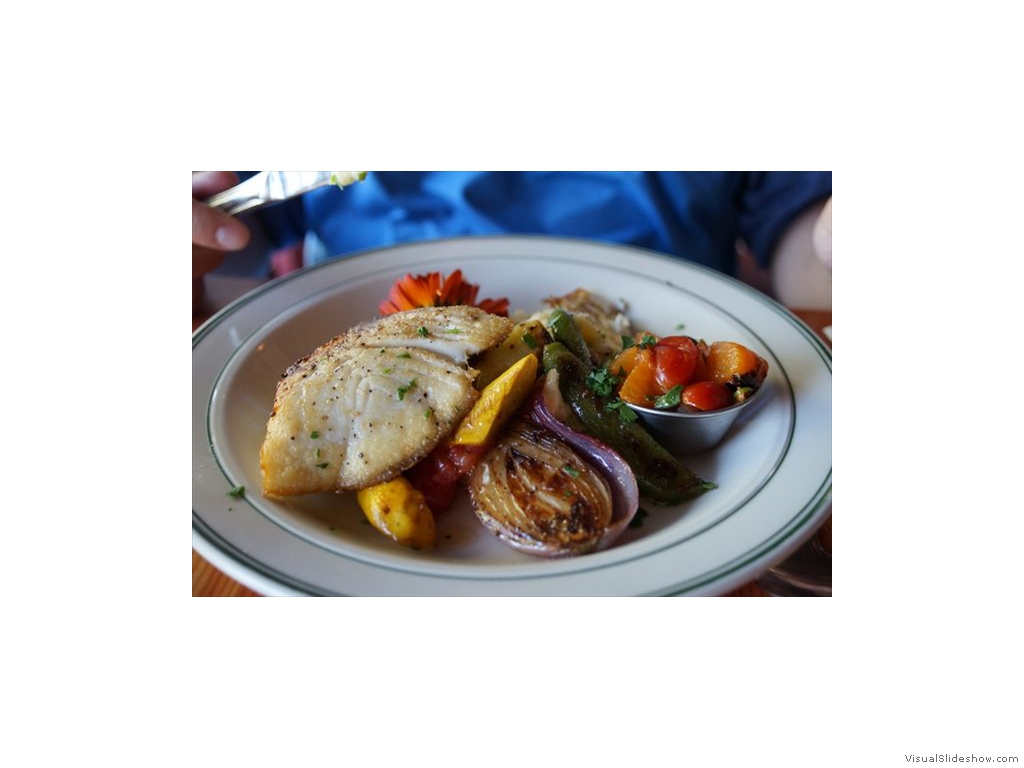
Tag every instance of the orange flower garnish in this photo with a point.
(436, 290)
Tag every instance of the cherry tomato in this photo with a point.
(675, 361)
(437, 475)
(706, 396)
(437, 478)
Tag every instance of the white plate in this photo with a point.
(774, 470)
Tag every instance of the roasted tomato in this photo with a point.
(437, 477)
(675, 361)
(706, 396)
(701, 374)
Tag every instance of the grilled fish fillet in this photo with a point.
(374, 401)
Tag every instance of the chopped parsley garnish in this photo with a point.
(422, 331)
(325, 465)
(454, 330)
(404, 356)
(670, 399)
(571, 471)
(387, 370)
(680, 326)
(624, 411)
(647, 340)
(529, 341)
(314, 434)
(406, 388)
(428, 413)
(602, 382)
(237, 492)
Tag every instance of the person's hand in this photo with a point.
(801, 267)
(213, 231)
(822, 237)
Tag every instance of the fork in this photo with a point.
(269, 187)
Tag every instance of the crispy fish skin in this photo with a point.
(364, 407)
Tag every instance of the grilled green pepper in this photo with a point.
(659, 475)
(563, 328)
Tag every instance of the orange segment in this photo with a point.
(641, 385)
(624, 363)
(732, 363)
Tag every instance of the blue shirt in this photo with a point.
(693, 215)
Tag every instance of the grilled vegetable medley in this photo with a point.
(443, 396)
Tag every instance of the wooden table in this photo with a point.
(208, 581)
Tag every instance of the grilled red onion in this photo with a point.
(547, 490)
(538, 496)
(547, 402)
